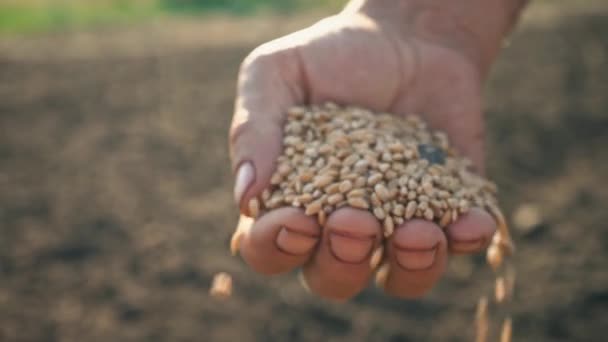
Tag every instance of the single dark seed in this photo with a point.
(431, 153)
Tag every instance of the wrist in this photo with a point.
(476, 28)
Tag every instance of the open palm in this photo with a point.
(350, 59)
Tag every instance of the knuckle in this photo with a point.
(239, 125)
(264, 56)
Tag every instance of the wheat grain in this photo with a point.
(221, 286)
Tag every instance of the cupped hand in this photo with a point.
(353, 59)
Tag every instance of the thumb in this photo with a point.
(265, 92)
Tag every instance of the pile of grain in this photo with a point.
(396, 168)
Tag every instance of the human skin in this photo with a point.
(428, 57)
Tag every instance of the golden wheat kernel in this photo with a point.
(382, 275)
(349, 176)
(390, 175)
(427, 188)
(398, 167)
(290, 151)
(275, 201)
(305, 198)
(463, 205)
(308, 188)
(350, 160)
(356, 193)
(379, 213)
(317, 193)
(322, 180)
(398, 221)
(500, 290)
(358, 202)
(343, 153)
(371, 158)
(393, 193)
(382, 192)
(446, 218)
(395, 147)
(361, 165)
(428, 214)
(412, 195)
(254, 207)
(389, 226)
(291, 140)
(412, 184)
(306, 176)
(383, 167)
(332, 172)
(393, 184)
(359, 182)
(387, 206)
(375, 200)
(306, 161)
(314, 207)
(298, 186)
(426, 179)
(341, 142)
(276, 179)
(494, 256)
(289, 198)
(435, 203)
(296, 112)
(398, 210)
(345, 186)
(398, 157)
(325, 149)
(376, 258)
(332, 188)
(402, 181)
(311, 152)
(341, 204)
(387, 157)
(408, 154)
(358, 134)
(321, 217)
(335, 198)
(333, 161)
(410, 209)
(374, 179)
(221, 286)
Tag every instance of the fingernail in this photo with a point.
(244, 177)
(295, 243)
(416, 259)
(350, 249)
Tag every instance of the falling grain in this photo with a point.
(221, 286)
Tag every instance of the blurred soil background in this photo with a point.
(115, 189)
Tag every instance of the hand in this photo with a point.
(354, 59)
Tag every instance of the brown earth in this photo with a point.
(115, 206)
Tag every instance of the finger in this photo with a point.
(471, 233)
(266, 90)
(340, 268)
(417, 257)
(279, 240)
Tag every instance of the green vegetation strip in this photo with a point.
(29, 16)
